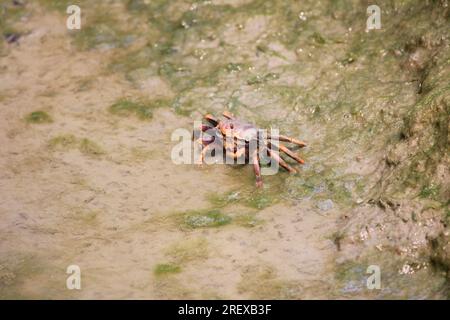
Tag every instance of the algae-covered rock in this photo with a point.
(441, 251)
(422, 154)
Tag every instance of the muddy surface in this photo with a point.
(86, 176)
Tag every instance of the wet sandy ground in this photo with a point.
(62, 207)
(115, 211)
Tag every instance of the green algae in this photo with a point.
(259, 200)
(430, 191)
(37, 117)
(187, 251)
(89, 147)
(252, 198)
(142, 110)
(166, 268)
(205, 219)
(262, 282)
(222, 200)
(65, 142)
(247, 220)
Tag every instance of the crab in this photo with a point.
(235, 137)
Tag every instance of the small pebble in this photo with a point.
(325, 205)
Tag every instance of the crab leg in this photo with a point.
(203, 153)
(288, 139)
(228, 115)
(288, 152)
(291, 154)
(257, 168)
(275, 156)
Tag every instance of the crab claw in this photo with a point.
(211, 119)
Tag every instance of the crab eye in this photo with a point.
(231, 126)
